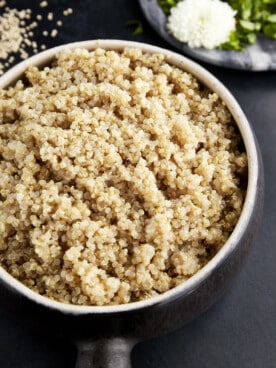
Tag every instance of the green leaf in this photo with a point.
(264, 15)
(249, 26)
(269, 2)
(246, 9)
(166, 5)
(271, 18)
(233, 43)
(138, 26)
(251, 37)
(270, 30)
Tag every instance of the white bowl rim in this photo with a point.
(253, 171)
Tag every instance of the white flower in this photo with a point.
(202, 23)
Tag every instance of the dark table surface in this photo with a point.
(240, 330)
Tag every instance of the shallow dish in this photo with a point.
(118, 327)
(258, 57)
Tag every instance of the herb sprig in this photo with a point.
(253, 17)
(137, 25)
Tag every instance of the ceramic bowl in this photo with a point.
(109, 332)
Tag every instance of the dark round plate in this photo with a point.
(258, 57)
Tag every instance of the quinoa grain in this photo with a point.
(54, 33)
(50, 16)
(120, 177)
(43, 4)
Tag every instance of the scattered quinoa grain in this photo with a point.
(50, 16)
(120, 176)
(28, 42)
(43, 4)
(33, 25)
(67, 12)
(16, 30)
(54, 33)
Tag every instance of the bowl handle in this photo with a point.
(105, 353)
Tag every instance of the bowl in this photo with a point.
(257, 57)
(116, 328)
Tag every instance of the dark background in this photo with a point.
(240, 330)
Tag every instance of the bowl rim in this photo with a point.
(213, 84)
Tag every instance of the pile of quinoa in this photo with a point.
(120, 177)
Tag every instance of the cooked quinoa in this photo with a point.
(120, 176)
